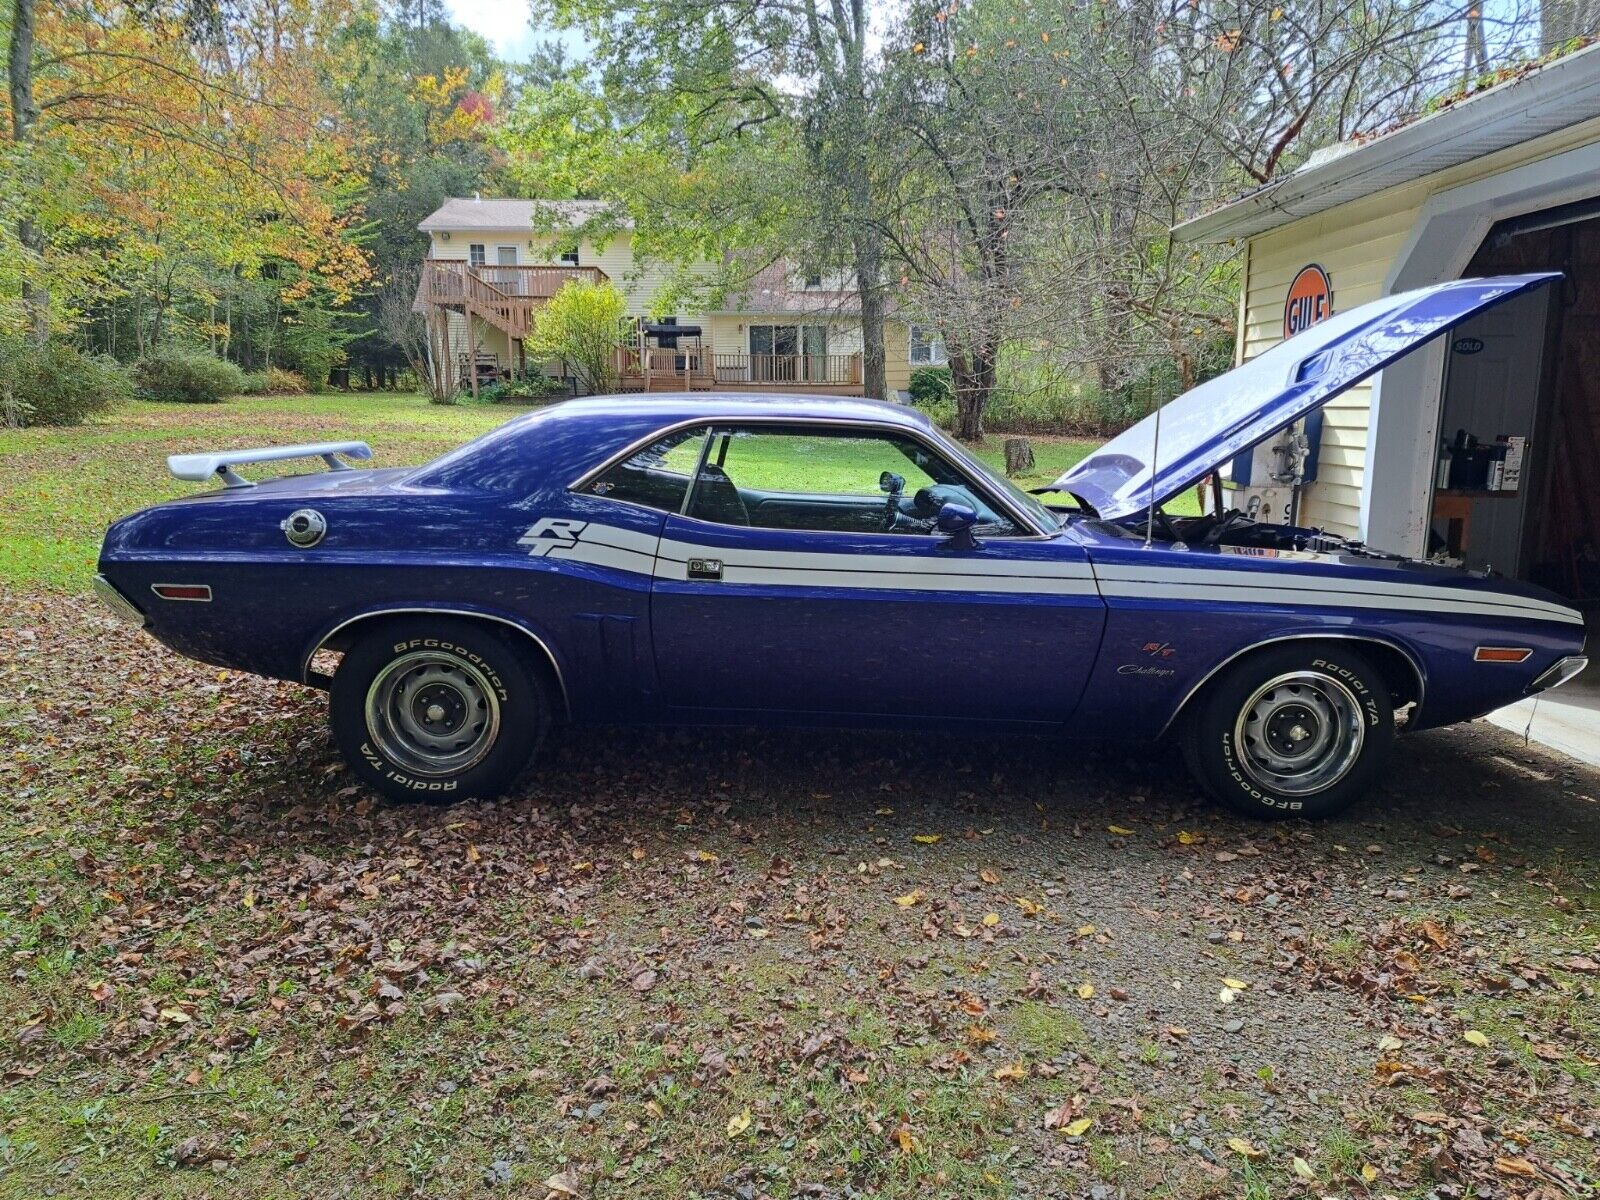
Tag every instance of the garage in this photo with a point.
(1484, 448)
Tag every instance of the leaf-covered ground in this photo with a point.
(725, 964)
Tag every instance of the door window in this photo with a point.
(657, 476)
(837, 481)
(788, 353)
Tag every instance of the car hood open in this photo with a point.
(1207, 425)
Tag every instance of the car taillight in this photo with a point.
(182, 591)
(1502, 654)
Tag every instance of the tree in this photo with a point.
(777, 94)
(582, 324)
(401, 325)
(158, 129)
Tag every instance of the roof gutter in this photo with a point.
(1563, 93)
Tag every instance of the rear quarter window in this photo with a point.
(657, 476)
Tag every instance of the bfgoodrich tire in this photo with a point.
(1293, 731)
(436, 709)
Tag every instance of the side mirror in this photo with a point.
(956, 520)
(891, 483)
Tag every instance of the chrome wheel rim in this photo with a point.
(432, 714)
(1299, 733)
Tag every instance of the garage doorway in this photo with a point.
(1519, 422)
(1530, 370)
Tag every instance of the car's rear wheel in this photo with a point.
(436, 709)
(1293, 731)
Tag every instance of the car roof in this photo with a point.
(672, 407)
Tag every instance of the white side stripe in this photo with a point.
(627, 550)
(1198, 577)
(1483, 606)
(943, 566)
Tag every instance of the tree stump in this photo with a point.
(1019, 456)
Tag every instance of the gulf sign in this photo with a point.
(1310, 300)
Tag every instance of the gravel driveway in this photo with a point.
(722, 963)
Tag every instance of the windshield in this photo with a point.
(1029, 505)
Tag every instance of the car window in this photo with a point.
(838, 481)
(657, 476)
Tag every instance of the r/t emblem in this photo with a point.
(551, 533)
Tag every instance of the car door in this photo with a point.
(793, 582)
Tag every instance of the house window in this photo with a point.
(927, 347)
(476, 255)
(568, 258)
(813, 282)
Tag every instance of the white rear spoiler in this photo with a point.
(201, 467)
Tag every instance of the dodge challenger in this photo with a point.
(726, 558)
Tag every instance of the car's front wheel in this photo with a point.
(436, 709)
(1293, 731)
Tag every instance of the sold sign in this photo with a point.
(1310, 300)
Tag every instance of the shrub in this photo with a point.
(582, 323)
(528, 388)
(278, 382)
(56, 384)
(188, 376)
(931, 385)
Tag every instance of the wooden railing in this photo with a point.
(694, 367)
(505, 296)
(833, 370)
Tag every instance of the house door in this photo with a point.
(507, 281)
(806, 575)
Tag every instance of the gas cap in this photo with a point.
(304, 527)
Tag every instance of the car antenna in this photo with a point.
(1155, 462)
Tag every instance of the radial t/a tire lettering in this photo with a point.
(436, 709)
(1299, 730)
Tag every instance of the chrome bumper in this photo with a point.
(117, 602)
(1562, 672)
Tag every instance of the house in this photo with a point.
(1481, 448)
(491, 264)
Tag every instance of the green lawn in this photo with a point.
(60, 488)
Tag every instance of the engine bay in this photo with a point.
(1234, 528)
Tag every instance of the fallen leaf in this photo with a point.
(1086, 991)
(1085, 930)
(928, 839)
(563, 1183)
(739, 1123)
(1015, 1070)
(915, 896)
(989, 876)
(1389, 1042)
(1369, 1172)
(175, 1015)
(1237, 985)
(1028, 907)
(1303, 1169)
(991, 919)
(906, 1140)
(1119, 831)
(1519, 1167)
(1240, 1146)
(1225, 996)
(1476, 1038)
(1079, 1127)
(644, 980)
(1186, 838)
